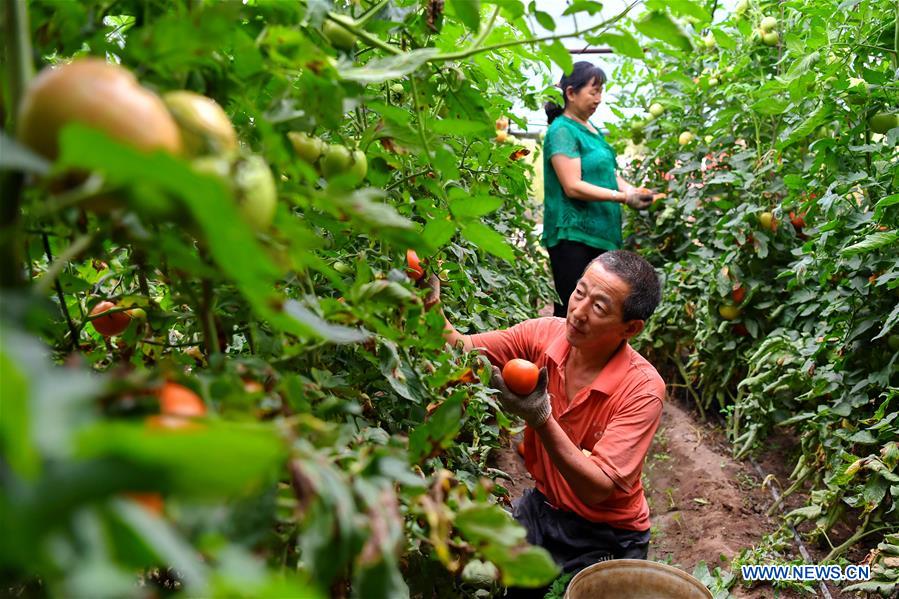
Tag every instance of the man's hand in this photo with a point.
(433, 297)
(534, 407)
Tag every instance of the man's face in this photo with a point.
(594, 317)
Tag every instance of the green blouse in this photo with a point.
(597, 224)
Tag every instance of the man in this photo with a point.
(591, 419)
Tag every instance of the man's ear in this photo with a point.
(633, 328)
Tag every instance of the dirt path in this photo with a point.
(703, 504)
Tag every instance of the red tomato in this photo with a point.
(738, 294)
(178, 400)
(520, 376)
(111, 324)
(415, 270)
(152, 502)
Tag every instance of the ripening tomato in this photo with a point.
(112, 324)
(767, 220)
(520, 376)
(797, 220)
(415, 270)
(178, 400)
(100, 95)
(204, 126)
(729, 311)
(152, 502)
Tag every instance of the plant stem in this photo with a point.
(19, 71)
(367, 15)
(42, 286)
(406, 178)
(210, 334)
(534, 40)
(364, 35)
(421, 125)
(859, 534)
(683, 374)
(61, 297)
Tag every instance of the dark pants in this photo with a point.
(573, 542)
(568, 259)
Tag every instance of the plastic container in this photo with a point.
(634, 579)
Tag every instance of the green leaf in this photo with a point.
(588, 6)
(473, 206)
(820, 115)
(469, 12)
(682, 8)
(17, 157)
(771, 105)
(205, 459)
(378, 218)
(439, 429)
(460, 127)
(15, 425)
(488, 240)
(884, 203)
(489, 523)
(384, 69)
(523, 566)
(872, 242)
(439, 231)
(724, 40)
(559, 54)
(545, 19)
(661, 26)
(162, 539)
(623, 43)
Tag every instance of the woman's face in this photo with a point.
(585, 100)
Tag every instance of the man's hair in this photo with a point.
(633, 269)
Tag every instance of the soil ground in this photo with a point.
(704, 505)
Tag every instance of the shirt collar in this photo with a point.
(612, 373)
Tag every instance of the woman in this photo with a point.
(582, 191)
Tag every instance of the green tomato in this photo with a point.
(397, 88)
(685, 138)
(709, 42)
(742, 6)
(343, 268)
(893, 342)
(771, 38)
(656, 109)
(359, 166)
(305, 146)
(336, 159)
(768, 24)
(339, 37)
(137, 313)
(256, 192)
(883, 122)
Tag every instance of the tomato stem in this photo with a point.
(61, 296)
(20, 70)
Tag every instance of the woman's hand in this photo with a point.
(638, 198)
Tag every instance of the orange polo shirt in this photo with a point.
(614, 418)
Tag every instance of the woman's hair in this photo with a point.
(581, 75)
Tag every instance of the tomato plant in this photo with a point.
(242, 181)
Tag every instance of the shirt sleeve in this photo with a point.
(626, 440)
(562, 140)
(519, 341)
